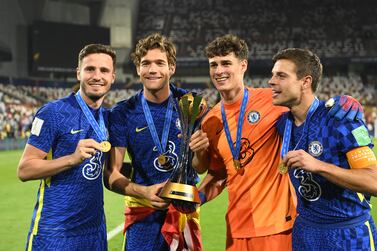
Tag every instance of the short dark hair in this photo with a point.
(97, 48)
(307, 63)
(154, 41)
(226, 44)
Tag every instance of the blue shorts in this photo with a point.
(96, 242)
(145, 235)
(359, 236)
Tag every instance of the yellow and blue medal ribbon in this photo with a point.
(161, 146)
(288, 131)
(235, 150)
(98, 127)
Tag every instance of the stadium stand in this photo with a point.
(330, 28)
(18, 103)
(341, 32)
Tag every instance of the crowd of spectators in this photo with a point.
(331, 28)
(18, 104)
(15, 116)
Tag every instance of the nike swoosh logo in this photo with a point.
(140, 129)
(76, 131)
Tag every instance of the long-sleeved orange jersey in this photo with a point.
(261, 201)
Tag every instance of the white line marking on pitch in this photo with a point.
(115, 231)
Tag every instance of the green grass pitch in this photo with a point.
(17, 200)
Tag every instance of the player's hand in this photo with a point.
(86, 148)
(199, 141)
(345, 107)
(301, 159)
(152, 196)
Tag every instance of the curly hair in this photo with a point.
(226, 44)
(154, 41)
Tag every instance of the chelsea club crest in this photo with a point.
(178, 124)
(253, 117)
(315, 148)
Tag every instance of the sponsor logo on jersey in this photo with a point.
(139, 129)
(76, 131)
(172, 158)
(309, 189)
(93, 169)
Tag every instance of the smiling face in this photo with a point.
(227, 72)
(287, 89)
(96, 75)
(154, 71)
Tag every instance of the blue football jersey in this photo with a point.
(328, 140)
(129, 129)
(71, 202)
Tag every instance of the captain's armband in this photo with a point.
(361, 157)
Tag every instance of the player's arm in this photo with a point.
(199, 145)
(34, 165)
(212, 185)
(115, 181)
(361, 177)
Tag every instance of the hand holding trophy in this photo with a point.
(181, 186)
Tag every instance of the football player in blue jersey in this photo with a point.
(147, 125)
(330, 162)
(66, 151)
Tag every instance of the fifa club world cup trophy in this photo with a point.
(181, 186)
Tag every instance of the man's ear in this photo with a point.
(78, 74)
(307, 82)
(244, 64)
(114, 76)
(172, 69)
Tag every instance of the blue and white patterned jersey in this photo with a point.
(71, 202)
(328, 140)
(129, 129)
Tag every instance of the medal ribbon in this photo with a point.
(161, 146)
(98, 127)
(235, 150)
(288, 128)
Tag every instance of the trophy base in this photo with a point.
(180, 191)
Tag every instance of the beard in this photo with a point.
(93, 95)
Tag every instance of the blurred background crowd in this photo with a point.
(40, 40)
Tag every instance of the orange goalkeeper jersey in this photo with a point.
(261, 201)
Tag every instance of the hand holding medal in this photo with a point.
(283, 169)
(98, 127)
(105, 146)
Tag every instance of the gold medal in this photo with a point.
(106, 146)
(237, 164)
(283, 169)
(162, 159)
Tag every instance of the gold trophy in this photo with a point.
(181, 186)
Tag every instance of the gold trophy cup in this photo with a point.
(181, 186)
